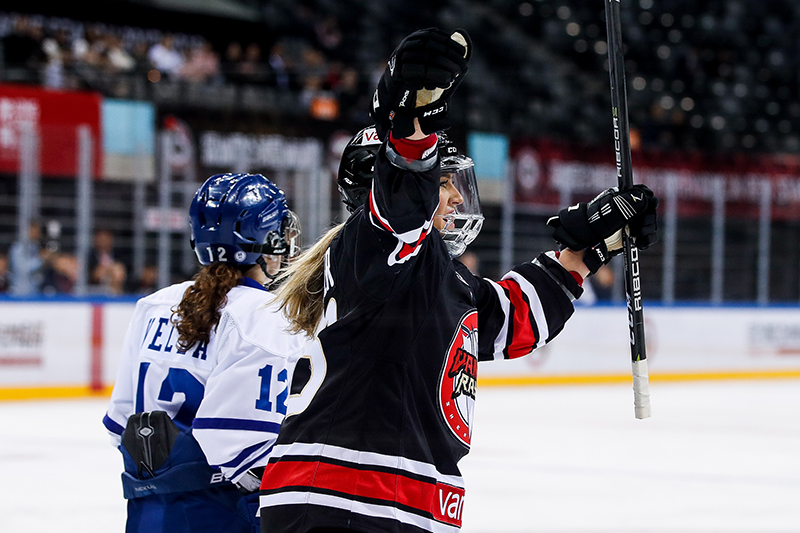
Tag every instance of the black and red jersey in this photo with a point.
(388, 412)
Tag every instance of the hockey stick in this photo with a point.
(622, 147)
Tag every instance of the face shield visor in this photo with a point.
(288, 243)
(465, 223)
(291, 234)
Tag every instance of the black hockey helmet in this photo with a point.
(357, 168)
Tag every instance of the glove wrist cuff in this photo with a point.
(594, 259)
(413, 150)
(425, 161)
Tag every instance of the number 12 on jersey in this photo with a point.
(264, 403)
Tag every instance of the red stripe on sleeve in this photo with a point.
(523, 339)
(408, 249)
(374, 212)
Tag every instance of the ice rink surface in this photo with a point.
(714, 457)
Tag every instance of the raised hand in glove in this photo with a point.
(423, 72)
(597, 226)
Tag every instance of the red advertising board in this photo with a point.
(55, 117)
(547, 172)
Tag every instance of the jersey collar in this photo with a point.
(250, 282)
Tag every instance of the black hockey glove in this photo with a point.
(587, 225)
(149, 438)
(423, 72)
(601, 254)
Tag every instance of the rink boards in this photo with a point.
(70, 347)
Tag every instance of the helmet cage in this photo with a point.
(464, 224)
(284, 242)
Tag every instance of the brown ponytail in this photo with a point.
(300, 294)
(199, 310)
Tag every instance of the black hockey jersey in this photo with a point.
(387, 414)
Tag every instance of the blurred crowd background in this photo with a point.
(713, 81)
(717, 76)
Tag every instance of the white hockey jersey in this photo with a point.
(231, 392)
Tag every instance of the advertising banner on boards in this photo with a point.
(55, 116)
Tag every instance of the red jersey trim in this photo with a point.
(404, 249)
(440, 501)
(374, 211)
(523, 337)
(408, 249)
(577, 277)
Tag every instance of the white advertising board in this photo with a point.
(116, 317)
(77, 344)
(45, 344)
(680, 340)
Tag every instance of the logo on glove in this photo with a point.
(433, 111)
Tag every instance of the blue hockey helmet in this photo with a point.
(237, 218)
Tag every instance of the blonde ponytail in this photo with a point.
(300, 294)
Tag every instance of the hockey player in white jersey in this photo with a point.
(206, 367)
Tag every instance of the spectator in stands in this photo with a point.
(253, 68)
(202, 65)
(4, 278)
(147, 282)
(320, 102)
(303, 21)
(53, 75)
(313, 63)
(279, 66)
(603, 283)
(57, 49)
(139, 52)
(95, 47)
(117, 57)
(353, 100)
(22, 49)
(80, 44)
(118, 61)
(165, 58)
(88, 55)
(245, 65)
(106, 272)
(333, 75)
(60, 274)
(230, 62)
(329, 35)
(26, 262)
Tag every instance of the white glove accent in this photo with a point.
(249, 482)
(426, 96)
(614, 241)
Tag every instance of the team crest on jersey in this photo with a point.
(459, 378)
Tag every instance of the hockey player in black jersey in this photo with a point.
(373, 441)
